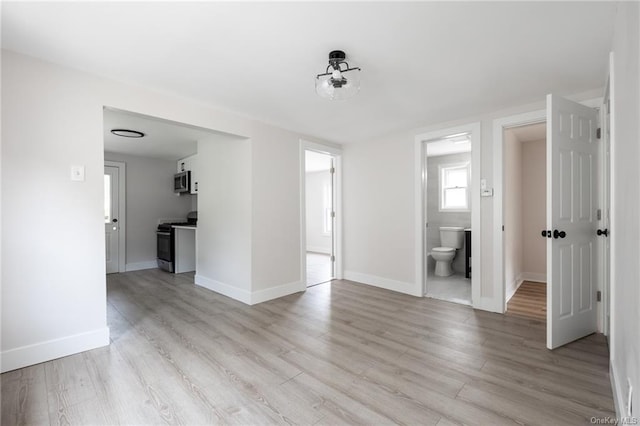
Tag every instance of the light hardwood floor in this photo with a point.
(529, 301)
(340, 353)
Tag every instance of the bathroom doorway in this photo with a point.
(447, 207)
(524, 216)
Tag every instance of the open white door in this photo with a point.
(572, 155)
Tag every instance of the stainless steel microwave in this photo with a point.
(182, 182)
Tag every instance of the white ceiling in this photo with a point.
(530, 132)
(316, 162)
(446, 147)
(422, 62)
(163, 139)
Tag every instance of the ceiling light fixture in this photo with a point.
(340, 81)
(127, 133)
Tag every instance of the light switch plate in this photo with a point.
(77, 173)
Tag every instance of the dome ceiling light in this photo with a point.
(127, 133)
(339, 82)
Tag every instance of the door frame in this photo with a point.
(336, 154)
(122, 209)
(474, 129)
(499, 126)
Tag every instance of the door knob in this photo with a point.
(115, 220)
(604, 232)
(545, 232)
(560, 234)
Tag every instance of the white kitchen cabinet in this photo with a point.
(190, 163)
(185, 249)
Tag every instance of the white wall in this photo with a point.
(534, 209)
(512, 201)
(378, 208)
(149, 197)
(317, 240)
(224, 217)
(625, 226)
(52, 118)
(379, 185)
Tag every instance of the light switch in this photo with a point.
(77, 173)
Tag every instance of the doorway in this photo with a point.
(319, 217)
(114, 216)
(524, 201)
(448, 218)
(572, 216)
(447, 214)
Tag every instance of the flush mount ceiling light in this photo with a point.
(127, 133)
(339, 81)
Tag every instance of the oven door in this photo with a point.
(165, 250)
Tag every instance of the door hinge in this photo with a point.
(333, 258)
(599, 132)
(599, 214)
(332, 170)
(333, 214)
(502, 227)
(598, 296)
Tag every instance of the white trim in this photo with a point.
(53, 349)
(336, 153)
(515, 288)
(233, 292)
(535, 277)
(138, 266)
(420, 250)
(616, 387)
(122, 211)
(612, 207)
(276, 292)
(318, 249)
(386, 283)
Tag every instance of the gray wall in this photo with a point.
(435, 218)
(149, 198)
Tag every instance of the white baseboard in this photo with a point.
(276, 292)
(536, 277)
(517, 283)
(25, 356)
(386, 283)
(236, 293)
(244, 296)
(138, 266)
(618, 398)
(318, 249)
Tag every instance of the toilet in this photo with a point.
(451, 239)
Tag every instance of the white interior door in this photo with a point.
(572, 155)
(111, 225)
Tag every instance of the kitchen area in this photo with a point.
(158, 225)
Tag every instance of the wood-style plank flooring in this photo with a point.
(340, 353)
(529, 301)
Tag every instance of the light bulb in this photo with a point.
(336, 75)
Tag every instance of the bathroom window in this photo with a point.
(454, 187)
